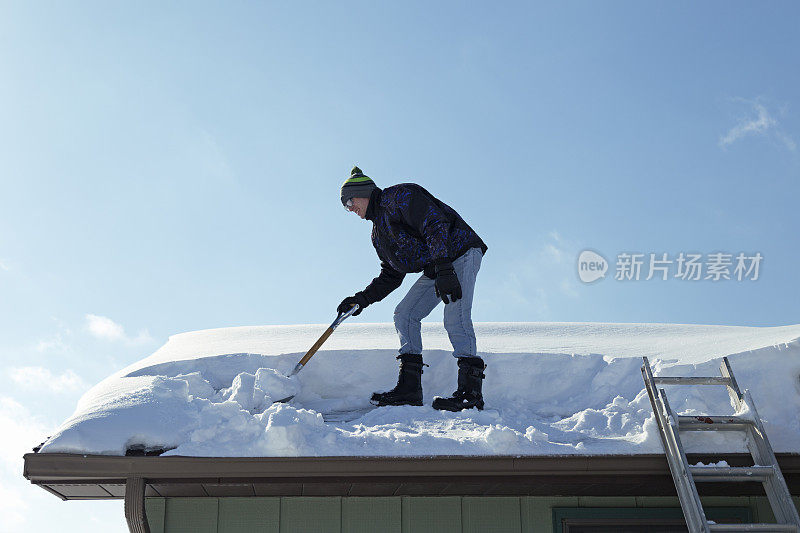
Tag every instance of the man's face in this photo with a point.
(359, 206)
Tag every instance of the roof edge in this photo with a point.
(75, 467)
(90, 477)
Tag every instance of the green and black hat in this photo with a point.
(357, 186)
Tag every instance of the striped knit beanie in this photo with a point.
(357, 186)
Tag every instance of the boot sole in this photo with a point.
(382, 404)
(479, 407)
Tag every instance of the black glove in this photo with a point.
(357, 298)
(446, 283)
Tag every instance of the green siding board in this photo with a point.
(249, 515)
(491, 515)
(440, 514)
(154, 509)
(371, 514)
(191, 515)
(657, 501)
(537, 515)
(606, 501)
(310, 514)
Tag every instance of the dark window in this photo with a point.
(637, 519)
(618, 525)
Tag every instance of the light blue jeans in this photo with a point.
(421, 300)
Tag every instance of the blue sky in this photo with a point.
(174, 168)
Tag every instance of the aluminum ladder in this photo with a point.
(766, 469)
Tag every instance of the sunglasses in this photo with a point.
(348, 205)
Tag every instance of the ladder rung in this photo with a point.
(776, 528)
(713, 423)
(731, 473)
(712, 380)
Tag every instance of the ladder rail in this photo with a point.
(682, 467)
(777, 491)
(757, 442)
(733, 387)
(676, 460)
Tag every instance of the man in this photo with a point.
(412, 231)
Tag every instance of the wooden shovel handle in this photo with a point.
(316, 346)
(324, 337)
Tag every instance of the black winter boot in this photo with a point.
(470, 381)
(409, 384)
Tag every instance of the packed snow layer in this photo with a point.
(550, 388)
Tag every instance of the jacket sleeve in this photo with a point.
(387, 281)
(424, 214)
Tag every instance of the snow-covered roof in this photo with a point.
(550, 388)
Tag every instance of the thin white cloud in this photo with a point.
(21, 431)
(556, 251)
(55, 344)
(759, 122)
(143, 337)
(4, 265)
(39, 378)
(545, 274)
(59, 343)
(26, 507)
(553, 253)
(785, 139)
(104, 328)
(561, 255)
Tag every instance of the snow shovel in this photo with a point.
(322, 339)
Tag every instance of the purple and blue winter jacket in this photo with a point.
(412, 232)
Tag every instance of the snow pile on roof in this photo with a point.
(550, 388)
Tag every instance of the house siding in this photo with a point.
(400, 514)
